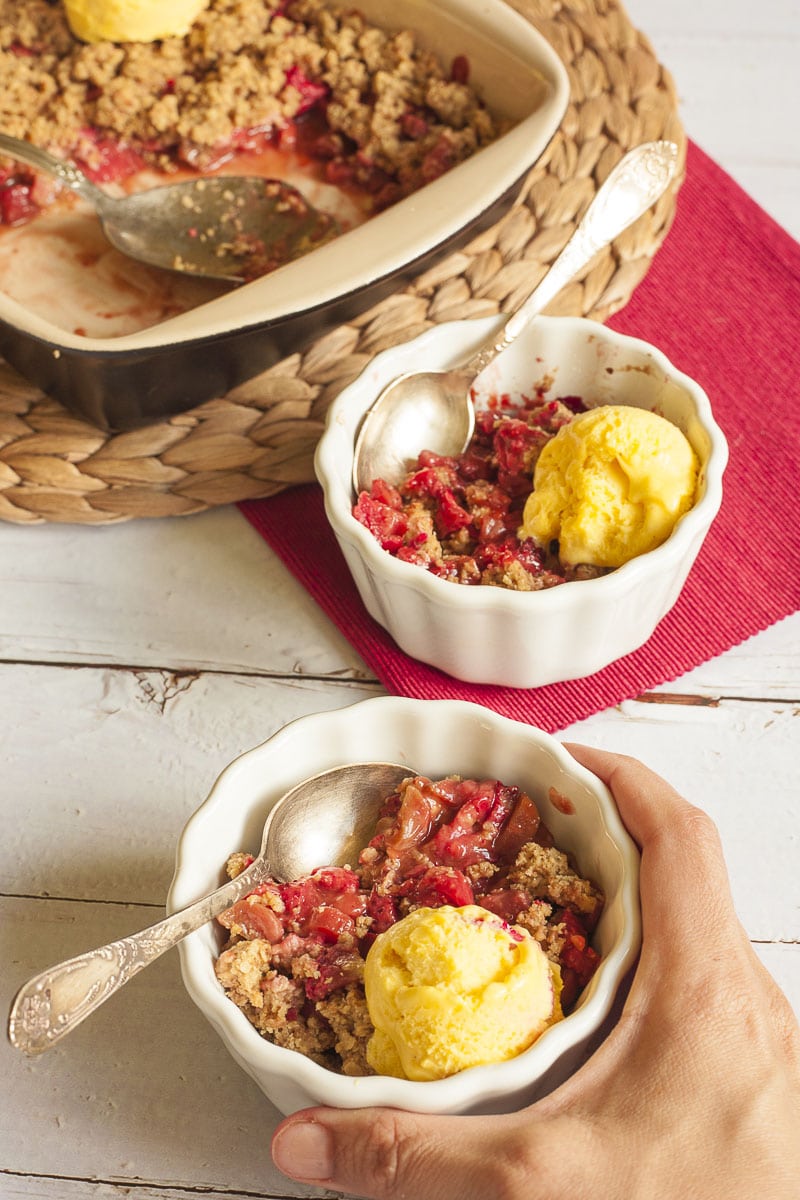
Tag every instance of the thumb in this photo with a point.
(387, 1154)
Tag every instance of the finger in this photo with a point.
(684, 885)
(385, 1153)
(648, 805)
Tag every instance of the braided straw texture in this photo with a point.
(260, 438)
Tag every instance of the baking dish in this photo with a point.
(124, 381)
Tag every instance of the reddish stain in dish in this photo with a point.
(561, 802)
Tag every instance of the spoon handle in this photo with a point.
(54, 1002)
(42, 161)
(635, 184)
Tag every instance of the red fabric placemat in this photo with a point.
(722, 300)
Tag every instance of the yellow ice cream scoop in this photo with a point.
(131, 20)
(449, 988)
(611, 485)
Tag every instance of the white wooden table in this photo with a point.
(136, 661)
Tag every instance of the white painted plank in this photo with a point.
(206, 593)
(127, 766)
(144, 1090)
(738, 761)
(107, 766)
(728, 24)
(117, 760)
(43, 1187)
(783, 964)
(196, 592)
(767, 665)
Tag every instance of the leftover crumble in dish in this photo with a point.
(294, 960)
(460, 517)
(379, 114)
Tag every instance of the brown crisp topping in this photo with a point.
(478, 871)
(545, 871)
(421, 528)
(348, 1017)
(514, 576)
(536, 920)
(237, 863)
(241, 969)
(551, 935)
(307, 1033)
(245, 65)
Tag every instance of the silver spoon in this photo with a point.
(226, 227)
(432, 410)
(323, 821)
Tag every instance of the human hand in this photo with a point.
(695, 1093)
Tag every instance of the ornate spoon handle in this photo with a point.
(53, 1003)
(632, 187)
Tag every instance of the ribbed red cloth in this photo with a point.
(722, 300)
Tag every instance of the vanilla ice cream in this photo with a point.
(131, 20)
(611, 485)
(449, 988)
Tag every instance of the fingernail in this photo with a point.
(304, 1150)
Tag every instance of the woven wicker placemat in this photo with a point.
(260, 438)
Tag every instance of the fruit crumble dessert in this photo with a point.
(295, 957)
(546, 492)
(378, 115)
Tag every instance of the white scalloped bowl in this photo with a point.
(495, 635)
(435, 737)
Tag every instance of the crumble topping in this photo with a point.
(545, 871)
(348, 1017)
(394, 115)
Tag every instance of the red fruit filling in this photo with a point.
(460, 518)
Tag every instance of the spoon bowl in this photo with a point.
(433, 410)
(322, 821)
(430, 410)
(224, 227)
